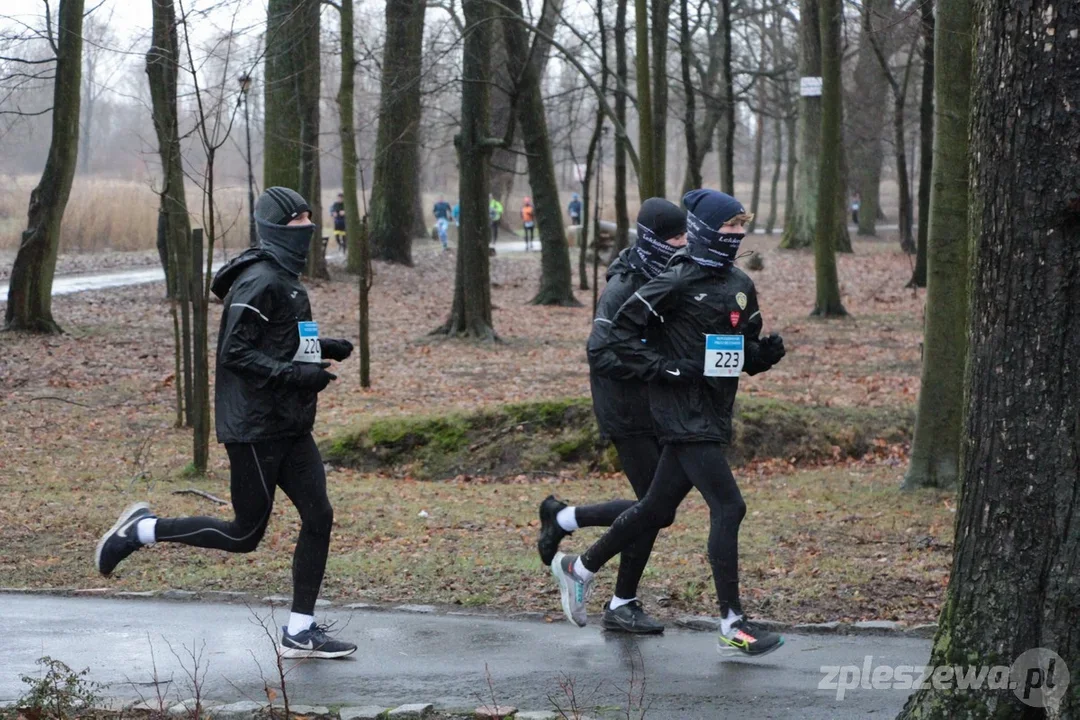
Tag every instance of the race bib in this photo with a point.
(309, 350)
(724, 355)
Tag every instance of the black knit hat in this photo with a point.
(279, 205)
(664, 218)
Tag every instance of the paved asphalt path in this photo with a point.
(410, 657)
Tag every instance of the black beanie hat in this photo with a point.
(279, 205)
(664, 218)
(712, 207)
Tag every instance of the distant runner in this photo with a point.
(337, 212)
(528, 221)
(443, 211)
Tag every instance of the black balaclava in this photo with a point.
(288, 244)
(657, 222)
(707, 211)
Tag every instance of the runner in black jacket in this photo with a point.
(621, 403)
(270, 370)
(710, 333)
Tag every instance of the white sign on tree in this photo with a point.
(810, 87)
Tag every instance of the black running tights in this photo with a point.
(258, 469)
(684, 466)
(639, 457)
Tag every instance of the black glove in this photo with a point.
(336, 350)
(680, 371)
(312, 376)
(771, 349)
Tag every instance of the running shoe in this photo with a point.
(551, 533)
(631, 618)
(748, 639)
(315, 642)
(574, 590)
(121, 540)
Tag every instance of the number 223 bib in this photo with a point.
(724, 355)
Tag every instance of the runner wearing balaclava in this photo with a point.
(710, 325)
(621, 403)
(270, 370)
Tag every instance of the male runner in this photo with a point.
(270, 370)
(621, 404)
(442, 212)
(337, 212)
(710, 326)
(574, 209)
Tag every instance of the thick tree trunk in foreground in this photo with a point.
(935, 452)
(829, 164)
(556, 277)
(397, 154)
(1016, 567)
(29, 301)
(470, 313)
(926, 143)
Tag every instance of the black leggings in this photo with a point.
(682, 467)
(258, 469)
(639, 457)
(529, 235)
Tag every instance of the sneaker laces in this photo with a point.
(321, 632)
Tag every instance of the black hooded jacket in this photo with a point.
(688, 302)
(255, 396)
(620, 398)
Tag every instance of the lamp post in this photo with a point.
(245, 86)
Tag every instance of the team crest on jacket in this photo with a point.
(741, 299)
(735, 315)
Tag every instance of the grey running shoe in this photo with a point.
(574, 590)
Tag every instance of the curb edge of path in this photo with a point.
(700, 623)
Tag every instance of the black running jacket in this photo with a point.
(620, 398)
(255, 396)
(688, 302)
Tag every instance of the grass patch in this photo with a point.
(551, 435)
(816, 545)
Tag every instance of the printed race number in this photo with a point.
(724, 355)
(309, 350)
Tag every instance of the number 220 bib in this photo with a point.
(724, 355)
(309, 351)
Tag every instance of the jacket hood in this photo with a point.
(230, 271)
(620, 265)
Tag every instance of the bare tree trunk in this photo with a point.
(586, 191)
(29, 303)
(622, 215)
(647, 177)
(282, 116)
(661, 11)
(470, 313)
(935, 451)
(504, 160)
(693, 169)
(759, 150)
(394, 188)
(355, 232)
(307, 83)
(1011, 598)
(829, 171)
(162, 69)
(926, 143)
(866, 120)
(778, 161)
(789, 181)
(800, 228)
(200, 414)
(556, 277)
(727, 125)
